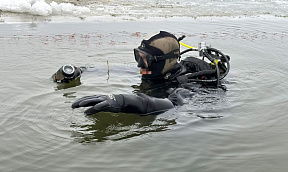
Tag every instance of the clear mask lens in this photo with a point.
(142, 58)
(68, 70)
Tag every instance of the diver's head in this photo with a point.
(157, 55)
(66, 73)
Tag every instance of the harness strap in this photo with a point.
(185, 78)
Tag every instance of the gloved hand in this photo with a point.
(177, 96)
(139, 104)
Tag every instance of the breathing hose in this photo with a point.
(225, 58)
(206, 52)
(190, 49)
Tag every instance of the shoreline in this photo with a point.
(11, 18)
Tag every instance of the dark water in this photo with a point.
(242, 129)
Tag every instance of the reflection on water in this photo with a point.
(111, 126)
(208, 103)
(156, 88)
(73, 83)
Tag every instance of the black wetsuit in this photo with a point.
(143, 103)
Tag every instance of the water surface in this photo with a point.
(242, 129)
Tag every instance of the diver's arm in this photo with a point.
(140, 104)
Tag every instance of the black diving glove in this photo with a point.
(177, 96)
(139, 104)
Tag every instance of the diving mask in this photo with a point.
(145, 60)
(66, 73)
(68, 70)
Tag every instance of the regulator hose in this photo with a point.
(226, 58)
(192, 77)
(187, 50)
(206, 54)
(201, 73)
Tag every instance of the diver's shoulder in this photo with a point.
(194, 64)
(192, 59)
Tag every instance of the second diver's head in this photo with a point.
(66, 74)
(157, 55)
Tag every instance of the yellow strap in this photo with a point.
(185, 45)
(188, 46)
(215, 61)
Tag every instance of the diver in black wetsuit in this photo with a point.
(157, 59)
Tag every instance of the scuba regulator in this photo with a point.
(218, 60)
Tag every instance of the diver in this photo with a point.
(67, 73)
(157, 57)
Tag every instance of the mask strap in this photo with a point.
(166, 56)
